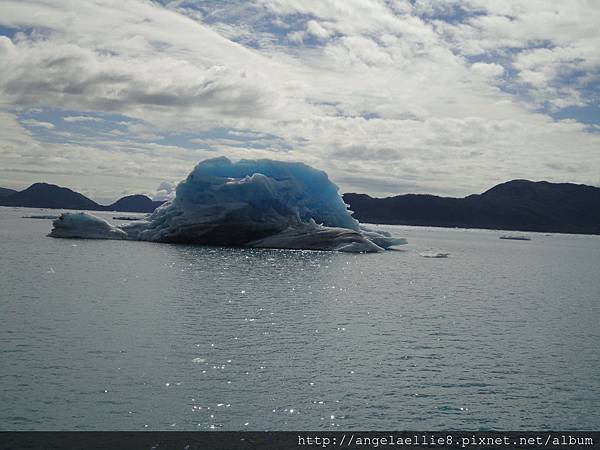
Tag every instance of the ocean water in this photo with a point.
(108, 335)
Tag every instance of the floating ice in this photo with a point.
(516, 237)
(84, 225)
(250, 203)
(432, 254)
(381, 238)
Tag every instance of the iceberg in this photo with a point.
(248, 203)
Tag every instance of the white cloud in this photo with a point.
(488, 70)
(76, 119)
(546, 42)
(71, 77)
(314, 28)
(37, 123)
(382, 95)
(165, 191)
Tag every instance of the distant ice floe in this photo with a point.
(40, 216)
(433, 254)
(249, 203)
(516, 237)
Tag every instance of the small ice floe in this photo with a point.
(433, 254)
(40, 216)
(83, 225)
(516, 237)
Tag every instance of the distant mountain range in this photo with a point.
(6, 192)
(519, 205)
(44, 195)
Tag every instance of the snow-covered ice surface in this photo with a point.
(249, 203)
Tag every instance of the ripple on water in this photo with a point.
(384, 341)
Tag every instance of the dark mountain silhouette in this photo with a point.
(134, 203)
(44, 195)
(4, 192)
(519, 205)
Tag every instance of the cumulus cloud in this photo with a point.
(314, 28)
(488, 70)
(165, 191)
(546, 43)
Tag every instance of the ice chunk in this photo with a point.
(381, 238)
(433, 254)
(85, 225)
(254, 203)
(516, 237)
(316, 237)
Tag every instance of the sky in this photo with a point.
(115, 97)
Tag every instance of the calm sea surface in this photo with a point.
(107, 335)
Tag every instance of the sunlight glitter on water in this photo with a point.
(167, 349)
